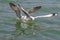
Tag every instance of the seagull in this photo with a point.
(27, 16)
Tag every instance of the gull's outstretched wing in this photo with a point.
(16, 9)
(25, 12)
(49, 15)
(34, 9)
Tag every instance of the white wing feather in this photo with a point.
(49, 15)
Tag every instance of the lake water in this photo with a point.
(39, 29)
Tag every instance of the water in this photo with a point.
(39, 29)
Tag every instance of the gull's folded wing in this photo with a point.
(34, 9)
(16, 9)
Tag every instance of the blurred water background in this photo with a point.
(40, 29)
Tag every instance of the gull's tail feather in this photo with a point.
(49, 15)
